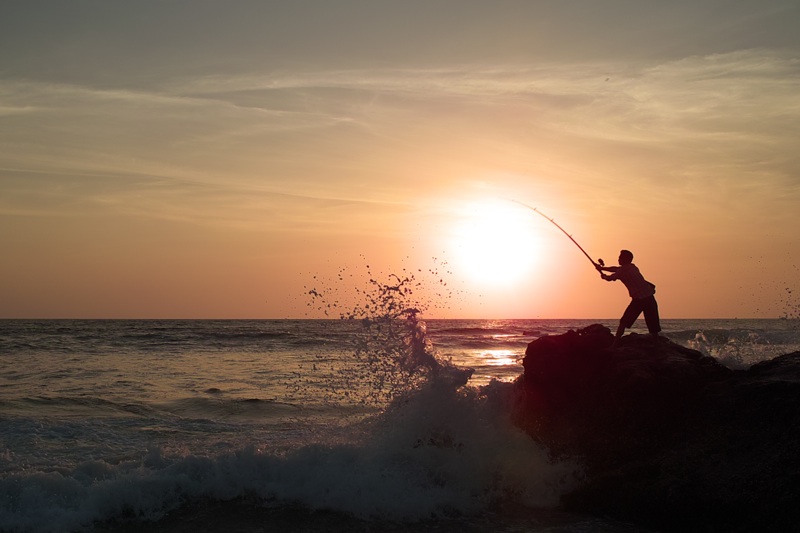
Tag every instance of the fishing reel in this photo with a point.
(601, 263)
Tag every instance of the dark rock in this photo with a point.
(669, 438)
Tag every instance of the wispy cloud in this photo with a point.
(238, 144)
(746, 96)
(76, 195)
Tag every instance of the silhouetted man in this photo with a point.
(642, 294)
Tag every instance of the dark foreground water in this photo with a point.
(288, 425)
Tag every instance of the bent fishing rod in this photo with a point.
(599, 261)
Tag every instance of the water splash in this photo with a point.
(390, 351)
(746, 343)
(733, 348)
(791, 307)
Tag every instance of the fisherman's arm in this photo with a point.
(605, 268)
(612, 277)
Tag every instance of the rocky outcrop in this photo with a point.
(669, 438)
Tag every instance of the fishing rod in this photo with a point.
(599, 261)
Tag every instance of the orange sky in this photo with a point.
(199, 159)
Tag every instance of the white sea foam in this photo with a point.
(433, 453)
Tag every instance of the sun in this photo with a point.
(493, 242)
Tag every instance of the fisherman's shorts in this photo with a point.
(649, 307)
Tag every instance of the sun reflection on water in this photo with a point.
(498, 364)
(499, 357)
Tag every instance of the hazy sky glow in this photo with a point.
(200, 158)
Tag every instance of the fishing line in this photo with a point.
(599, 261)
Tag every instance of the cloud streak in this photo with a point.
(338, 132)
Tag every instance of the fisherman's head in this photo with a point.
(625, 257)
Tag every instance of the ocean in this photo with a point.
(292, 425)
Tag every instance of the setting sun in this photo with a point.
(493, 242)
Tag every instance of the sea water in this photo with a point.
(147, 424)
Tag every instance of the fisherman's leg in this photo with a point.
(630, 315)
(651, 316)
